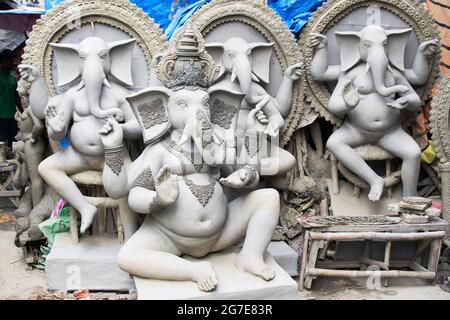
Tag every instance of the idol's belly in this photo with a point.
(85, 138)
(372, 114)
(200, 210)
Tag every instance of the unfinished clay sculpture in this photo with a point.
(245, 68)
(374, 91)
(31, 147)
(175, 180)
(97, 73)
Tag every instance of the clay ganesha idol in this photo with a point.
(96, 72)
(183, 200)
(373, 92)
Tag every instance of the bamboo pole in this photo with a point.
(316, 272)
(332, 236)
(371, 262)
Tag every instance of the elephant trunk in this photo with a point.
(379, 64)
(242, 69)
(93, 79)
(199, 127)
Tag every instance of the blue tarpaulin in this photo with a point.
(295, 13)
(172, 14)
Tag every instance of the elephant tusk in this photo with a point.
(216, 139)
(80, 86)
(390, 68)
(233, 76)
(184, 138)
(106, 83)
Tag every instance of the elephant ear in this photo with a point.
(120, 53)
(224, 104)
(67, 62)
(349, 42)
(397, 40)
(215, 50)
(261, 53)
(150, 109)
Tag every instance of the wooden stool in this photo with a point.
(368, 153)
(93, 178)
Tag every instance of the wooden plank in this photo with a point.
(316, 272)
(312, 259)
(435, 224)
(376, 235)
(417, 267)
(328, 264)
(11, 193)
(301, 278)
(435, 252)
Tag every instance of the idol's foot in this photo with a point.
(87, 216)
(255, 265)
(376, 189)
(205, 276)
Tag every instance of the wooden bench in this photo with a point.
(317, 239)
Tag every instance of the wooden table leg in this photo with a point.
(312, 259)
(120, 232)
(301, 278)
(73, 225)
(435, 252)
(388, 173)
(323, 250)
(387, 257)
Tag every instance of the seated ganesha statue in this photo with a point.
(176, 181)
(97, 74)
(254, 125)
(373, 92)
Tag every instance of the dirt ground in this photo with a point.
(17, 282)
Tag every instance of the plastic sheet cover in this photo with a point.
(172, 14)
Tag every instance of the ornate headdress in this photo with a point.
(186, 63)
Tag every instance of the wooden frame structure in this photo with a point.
(13, 194)
(317, 239)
